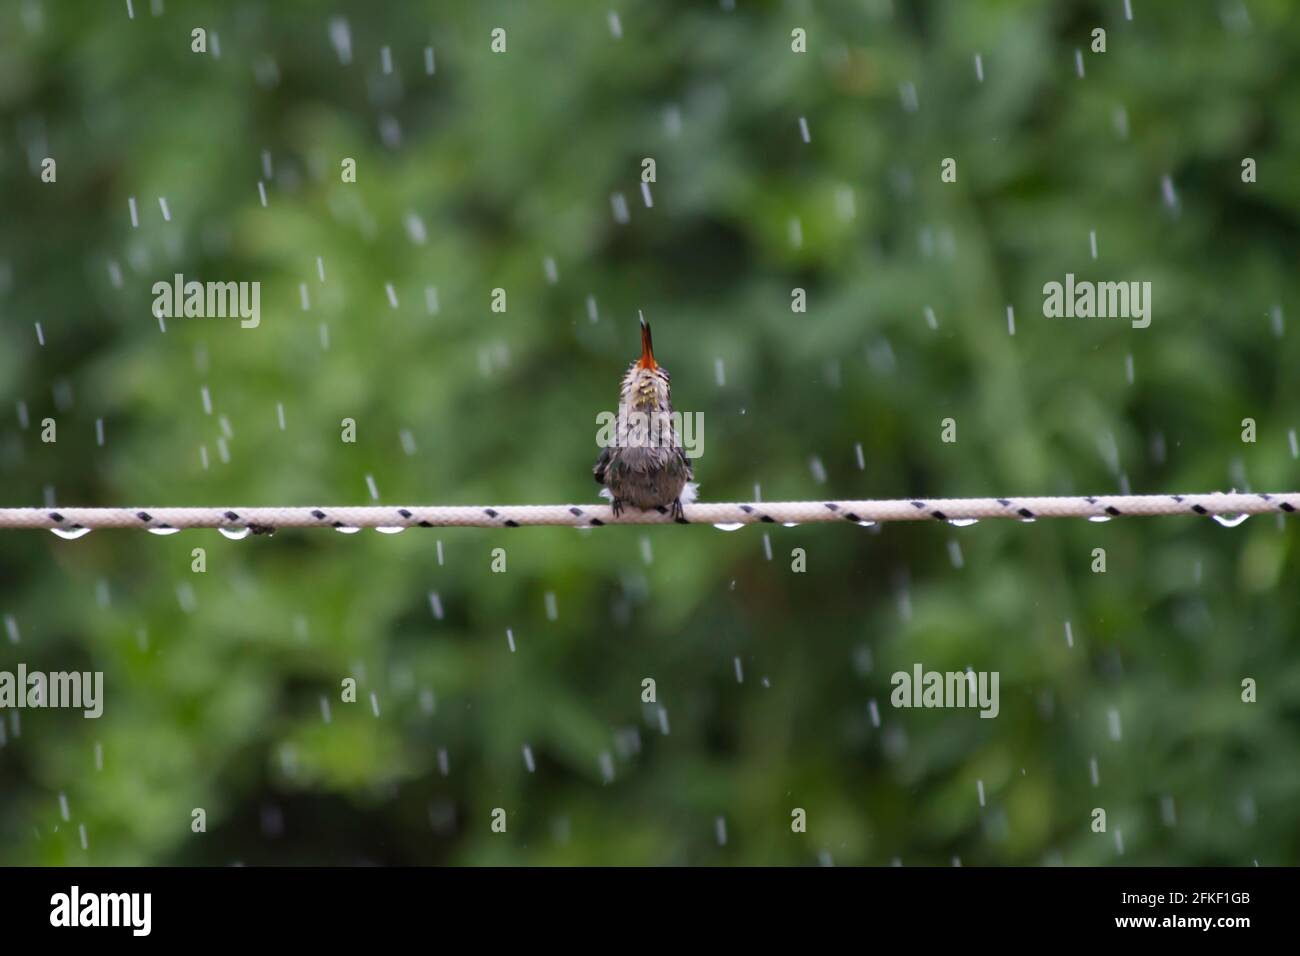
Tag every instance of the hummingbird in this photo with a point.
(646, 466)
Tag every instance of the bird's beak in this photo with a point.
(647, 347)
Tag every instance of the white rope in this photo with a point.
(71, 521)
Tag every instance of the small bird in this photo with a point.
(646, 467)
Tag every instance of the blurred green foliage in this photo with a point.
(214, 681)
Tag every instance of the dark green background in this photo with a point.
(214, 680)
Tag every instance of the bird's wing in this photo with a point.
(602, 462)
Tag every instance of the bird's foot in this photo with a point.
(679, 513)
(617, 505)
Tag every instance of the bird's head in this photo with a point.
(647, 360)
(645, 387)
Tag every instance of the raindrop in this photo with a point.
(325, 709)
(767, 546)
(40, 335)
(954, 554)
(71, 534)
(1230, 521)
(1167, 812)
(429, 65)
(1246, 809)
(510, 639)
(1112, 719)
(789, 524)
(1069, 635)
(818, 470)
(552, 610)
(672, 121)
(979, 787)
(607, 767)
(979, 68)
(740, 673)
(618, 205)
(11, 628)
(930, 319)
(1092, 242)
(874, 710)
(907, 96)
(719, 372)
(733, 526)
(390, 530)
(528, 759)
(720, 830)
(803, 130)
(857, 453)
(435, 605)
(235, 534)
(135, 214)
(1078, 62)
(1291, 440)
(1011, 320)
(374, 703)
(963, 522)
(166, 212)
(346, 529)
(163, 532)
(904, 598)
(1099, 519)
(1168, 193)
(1093, 775)
(615, 26)
(845, 204)
(261, 192)
(796, 233)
